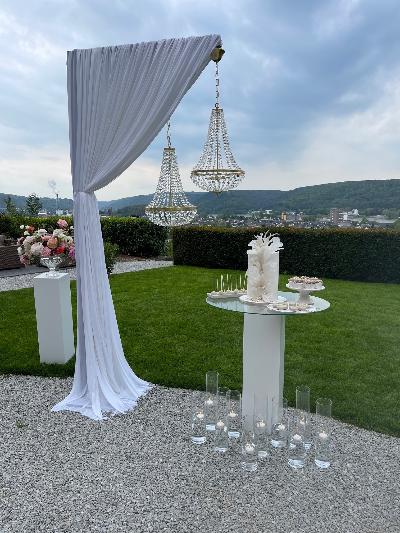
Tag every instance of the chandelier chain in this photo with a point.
(216, 86)
(169, 134)
(217, 169)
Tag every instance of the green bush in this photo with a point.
(110, 256)
(10, 225)
(353, 254)
(134, 236)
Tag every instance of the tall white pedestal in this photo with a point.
(54, 317)
(263, 361)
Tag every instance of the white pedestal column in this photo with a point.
(54, 318)
(263, 360)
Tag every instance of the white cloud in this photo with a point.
(332, 19)
(29, 170)
(360, 145)
(306, 88)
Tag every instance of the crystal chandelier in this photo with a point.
(217, 170)
(170, 206)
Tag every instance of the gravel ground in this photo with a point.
(22, 282)
(61, 472)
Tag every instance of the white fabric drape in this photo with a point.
(119, 98)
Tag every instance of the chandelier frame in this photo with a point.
(169, 206)
(217, 170)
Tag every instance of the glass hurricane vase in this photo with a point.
(52, 263)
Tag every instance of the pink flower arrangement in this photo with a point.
(63, 224)
(35, 244)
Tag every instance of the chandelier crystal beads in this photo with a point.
(217, 170)
(170, 206)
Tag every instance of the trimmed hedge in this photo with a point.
(134, 236)
(10, 226)
(353, 254)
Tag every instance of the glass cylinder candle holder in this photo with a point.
(223, 401)
(221, 439)
(261, 426)
(297, 452)
(323, 433)
(234, 415)
(211, 401)
(303, 408)
(280, 430)
(198, 423)
(248, 447)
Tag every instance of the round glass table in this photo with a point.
(264, 348)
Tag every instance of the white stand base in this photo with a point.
(263, 362)
(54, 318)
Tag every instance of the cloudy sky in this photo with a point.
(310, 88)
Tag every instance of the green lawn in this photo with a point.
(172, 337)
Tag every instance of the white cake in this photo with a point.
(263, 268)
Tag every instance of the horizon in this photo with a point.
(317, 101)
(206, 192)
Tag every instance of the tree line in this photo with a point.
(33, 205)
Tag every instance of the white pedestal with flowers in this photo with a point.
(52, 290)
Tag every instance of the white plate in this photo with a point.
(298, 288)
(292, 311)
(221, 296)
(247, 300)
(280, 299)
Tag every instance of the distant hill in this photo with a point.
(48, 203)
(362, 195)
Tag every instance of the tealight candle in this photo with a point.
(281, 427)
(261, 424)
(232, 414)
(200, 416)
(323, 436)
(209, 402)
(249, 448)
(220, 424)
(297, 437)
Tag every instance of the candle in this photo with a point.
(323, 436)
(232, 414)
(297, 437)
(209, 402)
(261, 424)
(249, 448)
(281, 427)
(220, 424)
(200, 416)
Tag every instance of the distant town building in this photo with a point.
(42, 214)
(334, 215)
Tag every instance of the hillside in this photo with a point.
(362, 195)
(48, 203)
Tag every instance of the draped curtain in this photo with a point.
(119, 98)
